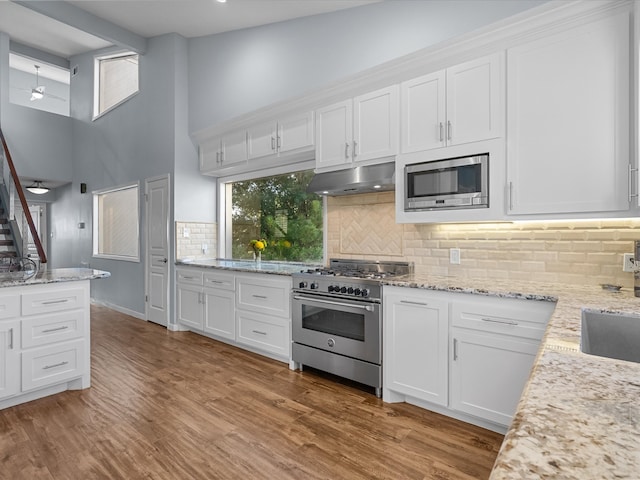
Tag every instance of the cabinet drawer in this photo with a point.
(219, 280)
(9, 306)
(51, 365)
(264, 295)
(518, 318)
(191, 277)
(53, 301)
(48, 329)
(264, 332)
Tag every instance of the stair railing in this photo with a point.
(23, 203)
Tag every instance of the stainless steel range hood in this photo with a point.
(365, 179)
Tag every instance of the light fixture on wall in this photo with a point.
(37, 188)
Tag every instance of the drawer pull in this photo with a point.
(187, 278)
(61, 364)
(259, 296)
(503, 322)
(409, 302)
(259, 332)
(57, 329)
(215, 281)
(54, 302)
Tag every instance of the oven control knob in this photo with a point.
(343, 290)
(331, 342)
(350, 290)
(313, 286)
(302, 285)
(365, 292)
(357, 292)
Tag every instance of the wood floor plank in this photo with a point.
(175, 405)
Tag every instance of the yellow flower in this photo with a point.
(286, 244)
(259, 245)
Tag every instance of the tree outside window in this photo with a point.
(279, 211)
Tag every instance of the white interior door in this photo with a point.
(157, 251)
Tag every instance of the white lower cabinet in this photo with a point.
(488, 373)
(9, 358)
(44, 341)
(464, 355)
(245, 309)
(416, 333)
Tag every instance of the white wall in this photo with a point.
(237, 72)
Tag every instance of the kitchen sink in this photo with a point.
(611, 335)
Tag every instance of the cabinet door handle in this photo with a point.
(221, 156)
(503, 322)
(259, 332)
(259, 296)
(61, 364)
(455, 349)
(55, 302)
(409, 302)
(510, 195)
(57, 329)
(355, 149)
(217, 157)
(11, 339)
(441, 132)
(448, 129)
(346, 150)
(278, 142)
(631, 194)
(273, 142)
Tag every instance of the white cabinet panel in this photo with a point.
(264, 295)
(424, 112)
(568, 120)
(334, 134)
(46, 301)
(416, 332)
(488, 373)
(190, 310)
(42, 330)
(264, 332)
(261, 140)
(9, 306)
(52, 364)
(375, 124)
(9, 358)
(219, 316)
(296, 133)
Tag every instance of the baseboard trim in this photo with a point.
(118, 308)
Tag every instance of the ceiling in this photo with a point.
(149, 18)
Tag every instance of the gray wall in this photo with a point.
(237, 72)
(21, 84)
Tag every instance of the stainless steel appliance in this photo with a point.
(461, 182)
(337, 318)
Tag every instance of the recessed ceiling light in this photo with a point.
(221, 1)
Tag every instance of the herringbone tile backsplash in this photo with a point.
(579, 252)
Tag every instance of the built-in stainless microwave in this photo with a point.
(461, 182)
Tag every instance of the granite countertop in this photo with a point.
(579, 415)
(54, 275)
(275, 268)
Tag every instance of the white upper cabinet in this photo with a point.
(459, 105)
(568, 121)
(228, 151)
(288, 135)
(334, 134)
(362, 129)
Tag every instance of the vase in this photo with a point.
(257, 257)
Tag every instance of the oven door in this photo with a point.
(347, 327)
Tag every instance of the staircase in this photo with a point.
(14, 235)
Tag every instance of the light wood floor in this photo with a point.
(166, 405)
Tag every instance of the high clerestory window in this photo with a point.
(116, 80)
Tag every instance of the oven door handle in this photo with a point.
(368, 308)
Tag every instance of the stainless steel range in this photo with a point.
(337, 318)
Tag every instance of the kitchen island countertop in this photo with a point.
(54, 275)
(579, 415)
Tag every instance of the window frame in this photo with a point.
(96, 82)
(96, 223)
(224, 199)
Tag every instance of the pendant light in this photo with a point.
(37, 188)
